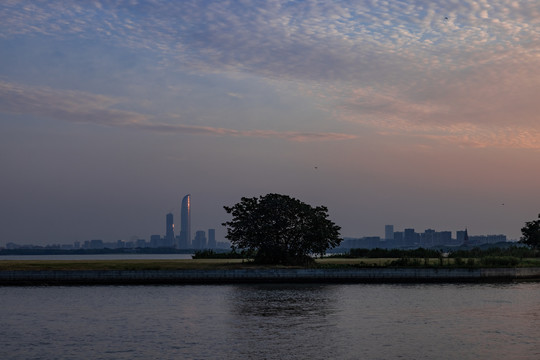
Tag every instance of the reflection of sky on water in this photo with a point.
(287, 301)
(280, 321)
(272, 321)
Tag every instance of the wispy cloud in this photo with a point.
(82, 107)
(206, 130)
(72, 106)
(493, 105)
(414, 66)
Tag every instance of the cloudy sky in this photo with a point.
(421, 114)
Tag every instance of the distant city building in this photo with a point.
(185, 222)
(389, 232)
(130, 244)
(462, 237)
(486, 239)
(169, 229)
(140, 243)
(223, 245)
(428, 238)
(200, 240)
(212, 239)
(155, 241)
(94, 244)
(367, 242)
(409, 237)
(443, 238)
(398, 239)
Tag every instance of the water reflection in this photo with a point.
(271, 322)
(282, 321)
(278, 300)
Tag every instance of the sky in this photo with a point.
(420, 114)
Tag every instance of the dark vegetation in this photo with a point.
(531, 234)
(475, 257)
(211, 254)
(476, 252)
(280, 230)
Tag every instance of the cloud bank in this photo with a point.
(462, 72)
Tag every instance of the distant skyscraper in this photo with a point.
(428, 238)
(409, 237)
(200, 240)
(169, 230)
(389, 232)
(212, 238)
(185, 221)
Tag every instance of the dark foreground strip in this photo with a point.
(146, 277)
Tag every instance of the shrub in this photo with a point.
(499, 261)
(210, 254)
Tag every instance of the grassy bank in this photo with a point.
(49, 265)
(484, 262)
(201, 264)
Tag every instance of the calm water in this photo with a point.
(271, 322)
(99, 257)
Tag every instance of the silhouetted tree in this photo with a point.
(278, 229)
(531, 234)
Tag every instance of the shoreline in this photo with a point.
(234, 276)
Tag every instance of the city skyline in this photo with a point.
(182, 239)
(407, 235)
(408, 238)
(403, 112)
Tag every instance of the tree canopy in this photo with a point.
(278, 229)
(531, 233)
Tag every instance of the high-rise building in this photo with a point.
(169, 229)
(428, 238)
(443, 238)
(155, 241)
(389, 232)
(212, 239)
(200, 240)
(409, 237)
(465, 238)
(185, 222)
(398, 239)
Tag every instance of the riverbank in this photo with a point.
(254, 275)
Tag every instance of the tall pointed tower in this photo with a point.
(466, 238)
(185, 222)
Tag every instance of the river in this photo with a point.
(272, 321)
(99, 257)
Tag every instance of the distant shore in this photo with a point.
(261, 275)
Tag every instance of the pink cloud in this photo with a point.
(82, 107)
